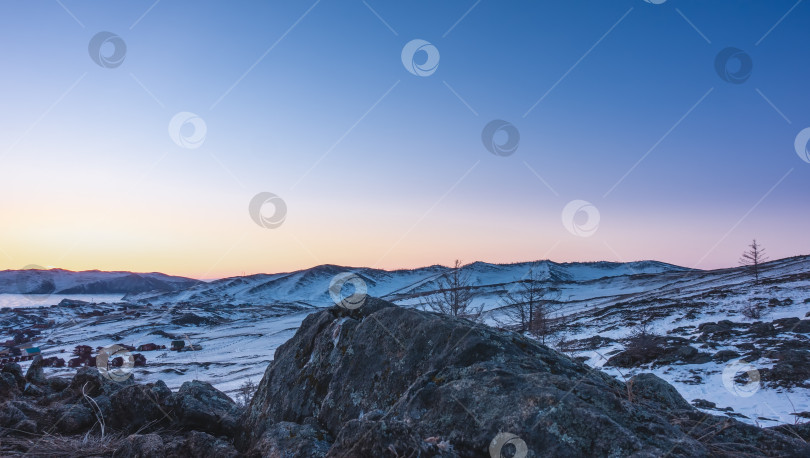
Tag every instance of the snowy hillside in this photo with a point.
(239, 322)
(311, 286)
(59, 281)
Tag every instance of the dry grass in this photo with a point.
(57, 445)
(707, 430)
(96, 411)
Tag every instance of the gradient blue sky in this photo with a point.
(92, 179)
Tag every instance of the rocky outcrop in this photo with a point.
(791, 368)
(199, 406)
(192, 444)
(11, 381)
(138, 420)
(388, 381)
(141, 407)
(285, 439)
(35, 373)
(658, 351)
(142, 446)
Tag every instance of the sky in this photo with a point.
(211, 139)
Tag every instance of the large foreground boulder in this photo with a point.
(388, 381)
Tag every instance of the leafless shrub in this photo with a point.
(642, 344)
(751, 311)
(245, 393)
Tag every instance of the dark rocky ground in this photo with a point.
(91, 415)
(782, 341)
(695, 336)
(382, 381)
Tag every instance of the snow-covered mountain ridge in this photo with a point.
(60, 281)
(310, 286)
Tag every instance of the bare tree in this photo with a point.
(753, 258)
(529, 305)
(454, 295)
